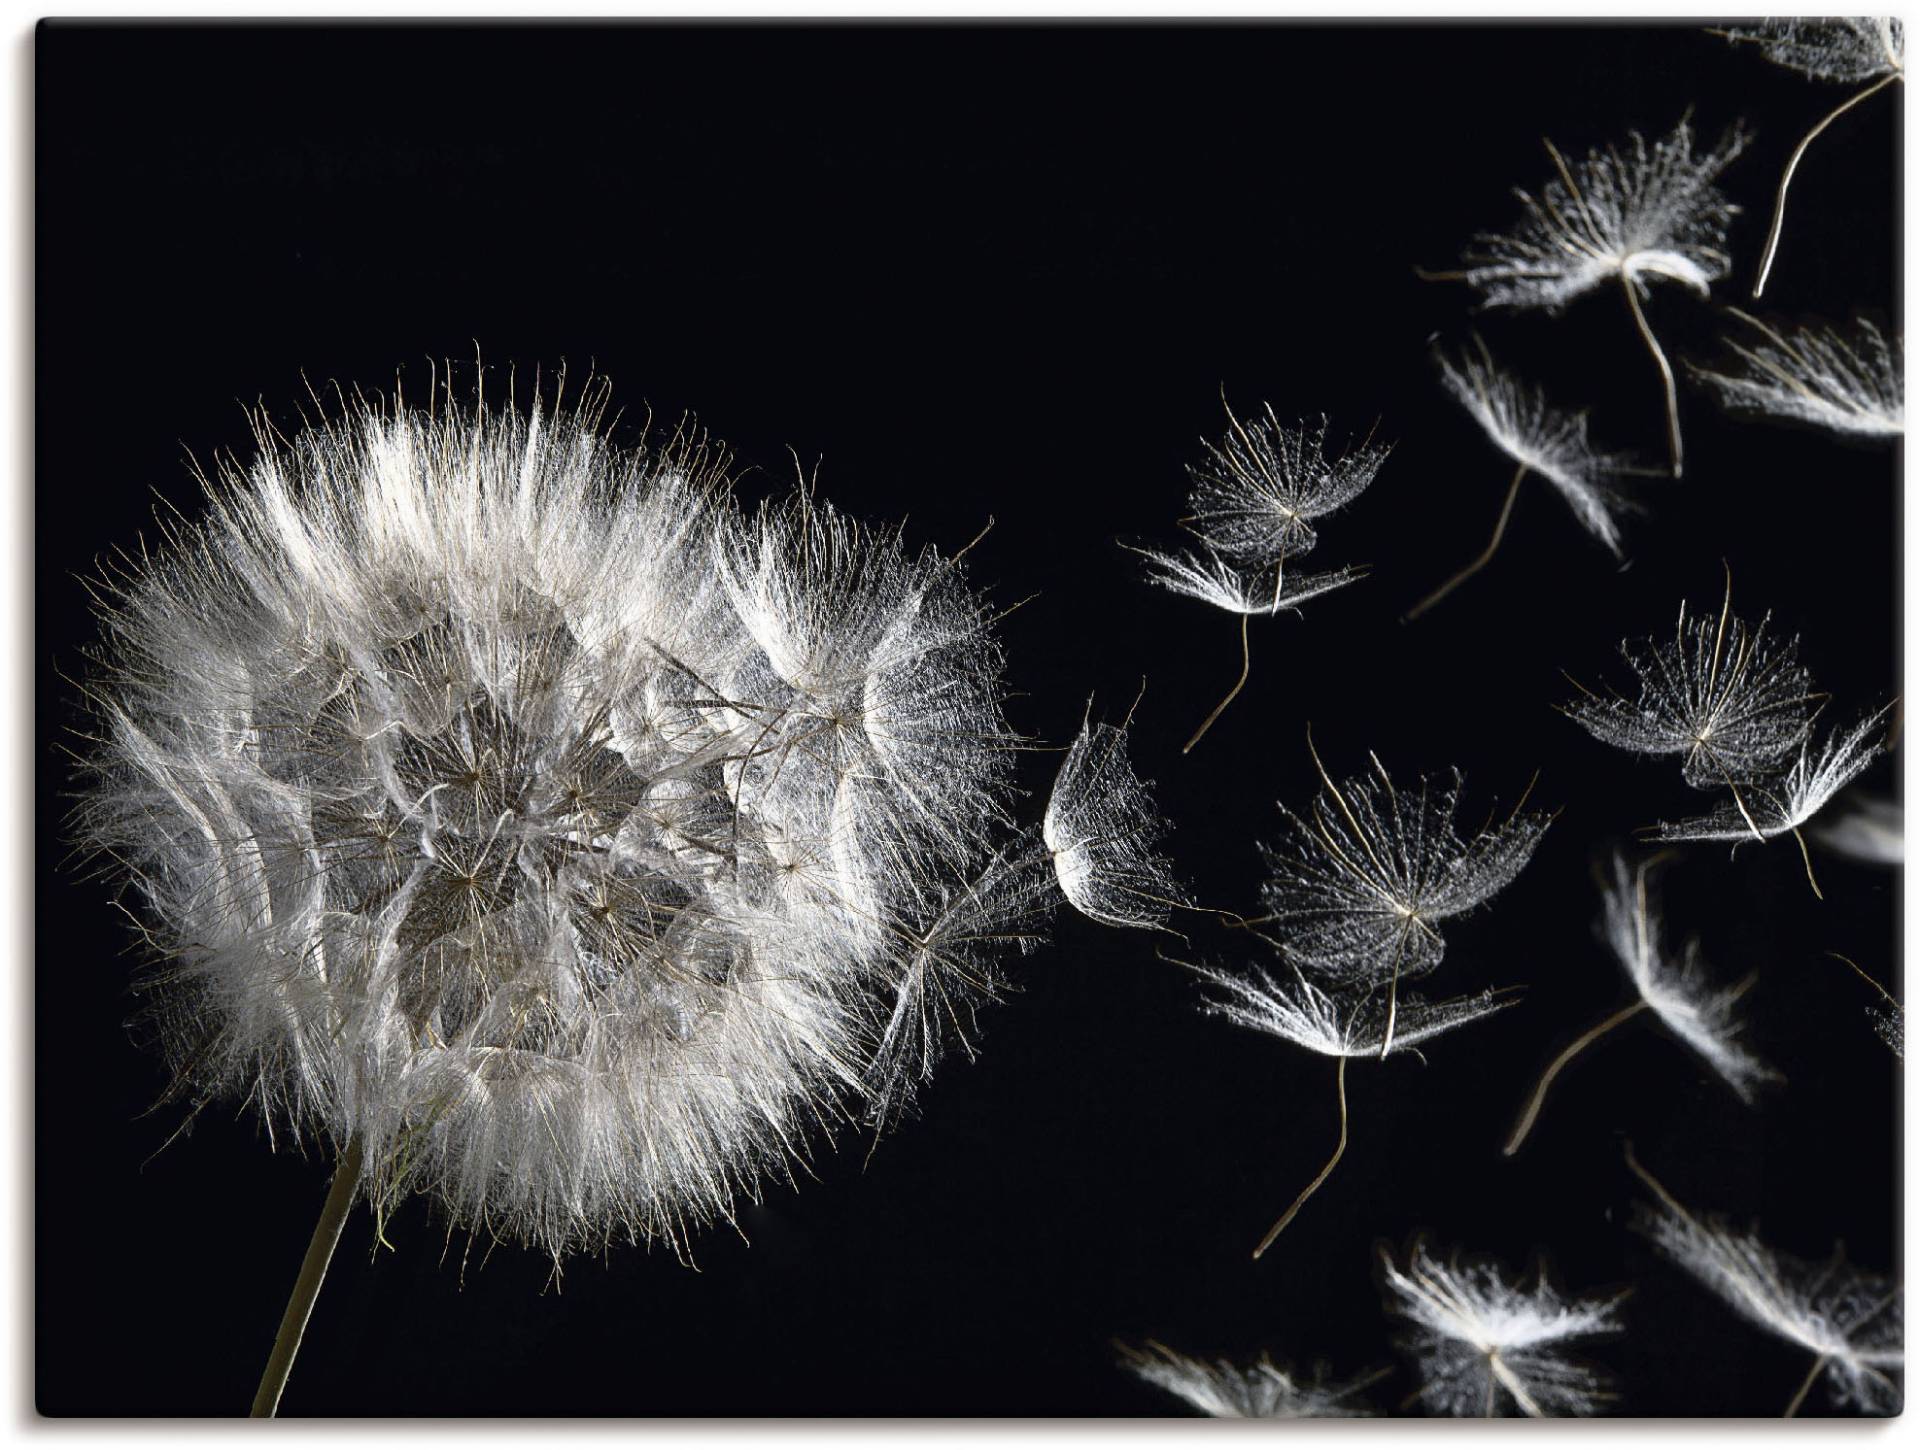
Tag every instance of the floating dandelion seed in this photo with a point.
(1849, 384)
(1095, 848)
(1846, 49)
(1652, 212)
(949, 966)
(1359, 887)
(1782, 805)
(1889, 1017)
(1850, 1321)
(1352, 1023)
(1891, 1024)
(519, 816)
(1259, 1391)
(1483, 1343)
(1243, 591)
(1540, 439)
(1257, 493)
(1099, 829)
(1872, 829)
(1253, 503)
(1727, 696)
(1673, 987)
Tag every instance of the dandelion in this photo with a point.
(1853, 385)
(1259, 1391)
(1239, 590)
(1674, 987)
(1870, 829)
(1483, 1342)
(1256, 494)
(1253, 502)
(521, 817)
(1782, 805)
(949, 965)
(1649, 213)
(1099, 830)
(1851, 1322)
(1360, 886)
(1352, 1023)
(1731, 699)
(1890, 1023)
(1845, 49)
(1094, 848)
(1540, 439)
(1888, 1016)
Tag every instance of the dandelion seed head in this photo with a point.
(1729, 697)
(1241, 589)
(1259, 1391)
(1853, 1321)
(1100, 828)
(1870, 828)
(1845, 48)
(518, 806)
(1256, 493)
(1774, 805)
(1642, 212)
(949, 962)
(1675, 986)
(1549, 441)
(1360, 886)
(1846, 382)
(1349, 1022)
(1890, 1023)
(1484, 1344)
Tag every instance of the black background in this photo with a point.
(1006, 272)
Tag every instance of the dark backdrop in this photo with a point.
(1006, 272)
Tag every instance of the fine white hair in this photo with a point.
(527, 812)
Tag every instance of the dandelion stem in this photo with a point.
(1808, 859)
(1340, 1085)
(1528, 1405)
(1393, 992)
(306, 1288)
(1666, 371)
(1573, 1049)
(1246, 664)
(1806, 1387)
(1499, 532)
(1793, 162)
(1891, 999)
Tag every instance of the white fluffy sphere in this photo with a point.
(524, 810)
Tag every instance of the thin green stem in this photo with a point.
(306, 1288)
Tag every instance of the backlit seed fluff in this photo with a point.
(1258, 1391)
(1850, 381)
(1844, 48)
(523, 808)
(1100, 830)
(1486, 1345)
(1632, 213)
